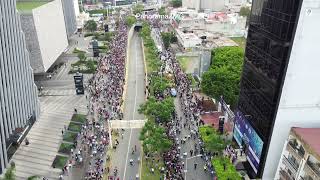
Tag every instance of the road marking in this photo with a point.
(125, 167)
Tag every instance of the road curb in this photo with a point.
(145, 68)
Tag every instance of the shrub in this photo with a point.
(225, 170)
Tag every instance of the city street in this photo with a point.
(134, 97)
(191, 173)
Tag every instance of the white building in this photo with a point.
(188, 40)
(300, 158)
(212, 5)
(231, 24)
(299, 101)
(46, 34)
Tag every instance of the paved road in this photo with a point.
(134, 97)
(191, 173)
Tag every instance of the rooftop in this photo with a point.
(28, 6)
(309, 136)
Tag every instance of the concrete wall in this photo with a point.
(300, 100)
(51, 31)
(33, 47)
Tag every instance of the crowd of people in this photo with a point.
(105, 92)
(188, 122)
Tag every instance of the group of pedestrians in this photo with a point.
(183, 129)
(105, 91)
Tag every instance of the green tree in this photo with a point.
(168, 38)
(225, 170)
(138, 9)
(244, 11)
(213, 141)
(91, 25)
(162, 11)
(158, 84)
(152, 60)
(161, 110)
(223, 77)
(82, 56)
(154, 139)
(130, 20)
(176, 3)
(10, 173)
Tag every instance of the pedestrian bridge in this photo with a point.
(127, 124)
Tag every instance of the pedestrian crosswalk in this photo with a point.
(58, 92)
(127, 124)
(45, 135)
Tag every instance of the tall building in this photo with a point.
(69, 16)
(300, 158)
(46, 28)
(279, 86)
(19, 106)
(216, 5)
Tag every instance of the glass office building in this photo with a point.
(269, 42)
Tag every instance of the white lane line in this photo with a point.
(134, 111)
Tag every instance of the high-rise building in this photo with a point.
(69, 16)
(19, 106)
(216, 5)
(279, 86)
(46, 29)
(300, 158)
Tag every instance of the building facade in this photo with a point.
(69, 16)
(19, 106)
(216, 5)
(300, 158)
(277, 86)
(46, 33)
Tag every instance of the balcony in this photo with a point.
(312, 169)
(293, 166)
(285, 176)
(295, 151)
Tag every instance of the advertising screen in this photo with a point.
(244, 134)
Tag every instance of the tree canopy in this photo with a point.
(154, 138)
(225, 170)
(213, 141)
(158, 84)
(10, 173)
(244, 11)
(223, 77)
(158, 110)
(91, 25)
(138, 9)
(162, 11)
(168, 38)
(152, 60)
(176, 3)
(130, 20)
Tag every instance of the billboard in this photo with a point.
(245, 135)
